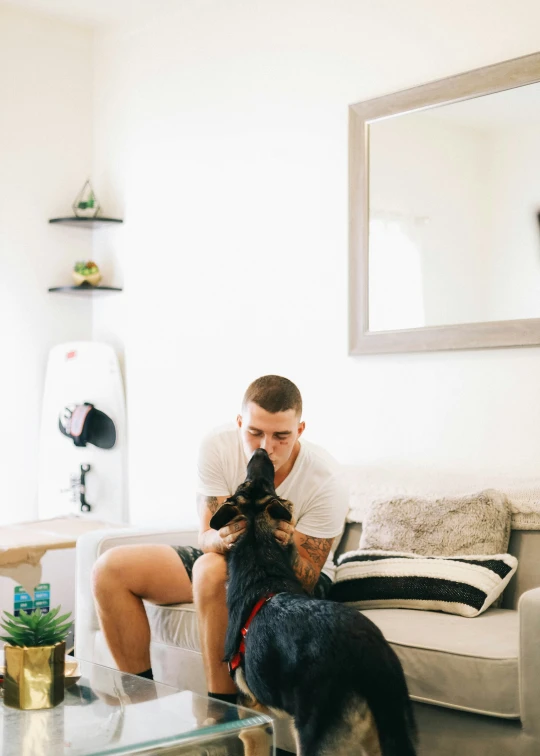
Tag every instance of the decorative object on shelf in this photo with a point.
(35, 658)
(86, 272)
(86, 204)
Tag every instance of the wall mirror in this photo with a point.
(444, 203)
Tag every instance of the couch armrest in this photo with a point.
(89, 547)
(529, 659)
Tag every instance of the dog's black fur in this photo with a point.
(324, 663)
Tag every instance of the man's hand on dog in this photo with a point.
(232, 532)
(284, 532)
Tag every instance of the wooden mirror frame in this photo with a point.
(505, 333)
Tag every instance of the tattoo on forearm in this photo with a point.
(317, 548)
(305, 572)
(210, 502)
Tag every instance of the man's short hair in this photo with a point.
(274, 394)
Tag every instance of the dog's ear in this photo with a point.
(224, 515)
(279, 511)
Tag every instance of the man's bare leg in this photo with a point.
(209, 577)
(122, 577)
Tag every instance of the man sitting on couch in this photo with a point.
(304, 474)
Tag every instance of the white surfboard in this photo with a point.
(82, 480)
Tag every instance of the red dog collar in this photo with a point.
(237, 658)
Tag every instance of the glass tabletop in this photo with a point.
(110, 712)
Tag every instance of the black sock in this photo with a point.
(148, 674)
(220, 713)
(229, 698)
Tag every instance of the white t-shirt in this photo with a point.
(314, 486)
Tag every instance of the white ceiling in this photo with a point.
(96, 12)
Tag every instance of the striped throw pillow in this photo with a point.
(465, 585)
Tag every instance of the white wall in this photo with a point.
(221, 135)
(45, 157)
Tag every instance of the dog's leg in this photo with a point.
(368, 728)
(355, 734)
(256, 742)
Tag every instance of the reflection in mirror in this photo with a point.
(443, 208)
(453, 227)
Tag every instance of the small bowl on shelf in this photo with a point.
(92, 278)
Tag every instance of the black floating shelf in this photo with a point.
(85, 289)
(85, 222)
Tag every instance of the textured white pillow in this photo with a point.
(475, 524)
(465, 584)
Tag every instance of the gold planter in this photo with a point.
(34, 677)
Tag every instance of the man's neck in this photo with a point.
(282, 473)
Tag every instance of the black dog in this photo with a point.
(323, 663)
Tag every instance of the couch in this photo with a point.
(475, 681)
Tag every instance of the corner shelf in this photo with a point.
(85, 222)
(85, 289)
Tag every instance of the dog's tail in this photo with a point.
(388, 698)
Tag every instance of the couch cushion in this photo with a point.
(469, 664)
(174, 625)
(463, 663)
(465, 585)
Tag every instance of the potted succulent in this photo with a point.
(86, 272)
(34, 658)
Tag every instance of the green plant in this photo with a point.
(35, 629)
(89, 202)
(86, 268)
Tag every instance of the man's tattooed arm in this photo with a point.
(305, 572)
(211, 503)
(317, 549)
(310, 555)
(209, 540)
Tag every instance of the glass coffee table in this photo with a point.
(110, 712)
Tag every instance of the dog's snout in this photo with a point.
(260, 466)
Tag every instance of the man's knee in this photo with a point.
(209, 577)
(109, 570)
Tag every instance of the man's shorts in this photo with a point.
(189, 555)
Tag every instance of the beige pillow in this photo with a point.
(474, 524)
